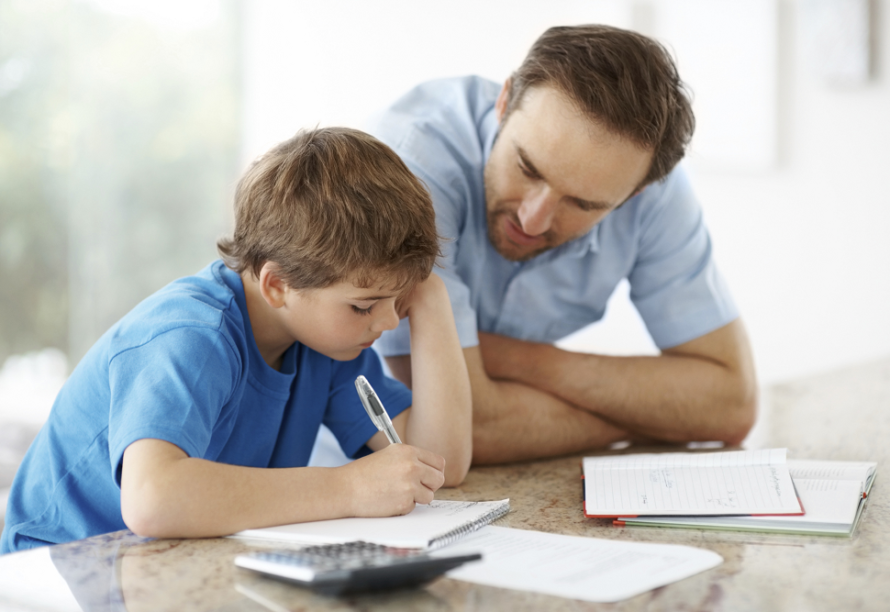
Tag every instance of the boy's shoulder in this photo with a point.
(211, 301)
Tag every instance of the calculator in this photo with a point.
(335, 569)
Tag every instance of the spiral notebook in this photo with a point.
(427, 526)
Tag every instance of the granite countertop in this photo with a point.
(842, 416)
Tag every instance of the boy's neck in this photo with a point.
(271, 338)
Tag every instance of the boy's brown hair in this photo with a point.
(331, 204)
(623, 79)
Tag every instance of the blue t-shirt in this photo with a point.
(444, 131)
(183, 367)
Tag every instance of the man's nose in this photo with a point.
(537, 210)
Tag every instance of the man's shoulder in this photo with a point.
(455, 97)
(453, 116)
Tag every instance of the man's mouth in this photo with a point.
(517, 236)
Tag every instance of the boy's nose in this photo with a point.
(537, 210)
(388, 319)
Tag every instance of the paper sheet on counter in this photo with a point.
(576, 567)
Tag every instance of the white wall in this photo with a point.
(797, 216)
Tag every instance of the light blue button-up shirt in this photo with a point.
(444, 131)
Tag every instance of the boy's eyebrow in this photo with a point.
(585, 204)
(372, 297)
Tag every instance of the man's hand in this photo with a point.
(393, 480)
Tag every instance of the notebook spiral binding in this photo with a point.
(456, 534)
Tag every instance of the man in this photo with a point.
(549, 191)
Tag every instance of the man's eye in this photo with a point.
(363, 311)
(527, 172)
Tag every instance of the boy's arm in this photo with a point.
(167, 494)
(440, 419)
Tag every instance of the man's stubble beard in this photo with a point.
(500, 242)
(494, 210)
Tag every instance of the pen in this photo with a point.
(375, 409)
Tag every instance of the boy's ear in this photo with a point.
(272, 286)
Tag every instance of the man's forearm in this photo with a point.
(676, 397)
(515, 422)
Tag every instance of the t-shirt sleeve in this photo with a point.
(675, 284)
(171, 388)
(345, 416)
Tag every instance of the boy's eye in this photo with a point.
(363, 311)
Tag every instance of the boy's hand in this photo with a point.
(393, 480)
(433, 288)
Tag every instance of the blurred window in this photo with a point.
(119, 151)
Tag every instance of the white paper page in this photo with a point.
(413, 530)
(669, 486)
(831, 470)
(766, 456)
(831, 505)
(825, 501)
(589, 569)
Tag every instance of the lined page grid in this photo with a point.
(722, 487)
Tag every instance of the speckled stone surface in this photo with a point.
(844, 415)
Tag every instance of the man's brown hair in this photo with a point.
(331, 204)
(624, 80)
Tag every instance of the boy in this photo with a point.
(170, 422)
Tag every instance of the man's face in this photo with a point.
(553, 174)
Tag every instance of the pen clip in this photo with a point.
(366, 395)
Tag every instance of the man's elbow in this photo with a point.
(743, 414)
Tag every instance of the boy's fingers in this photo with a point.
(424, 496)
(432, 480)
(431, 459)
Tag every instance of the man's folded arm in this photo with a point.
(702, 390)
(513, 421)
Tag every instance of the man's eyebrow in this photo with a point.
(528, 164)
(588, 205)
(583, 204)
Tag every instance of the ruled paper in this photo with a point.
(831, 470)
(669, 484)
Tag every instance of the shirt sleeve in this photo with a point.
(433, 130)
(675, 284)
(345, 416)
(172, 388)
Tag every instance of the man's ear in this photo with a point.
(500, 106)
(272, 286)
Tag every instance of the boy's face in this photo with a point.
(341, 320)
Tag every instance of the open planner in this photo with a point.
(427, 526)
(684, 484)
(833, 494)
